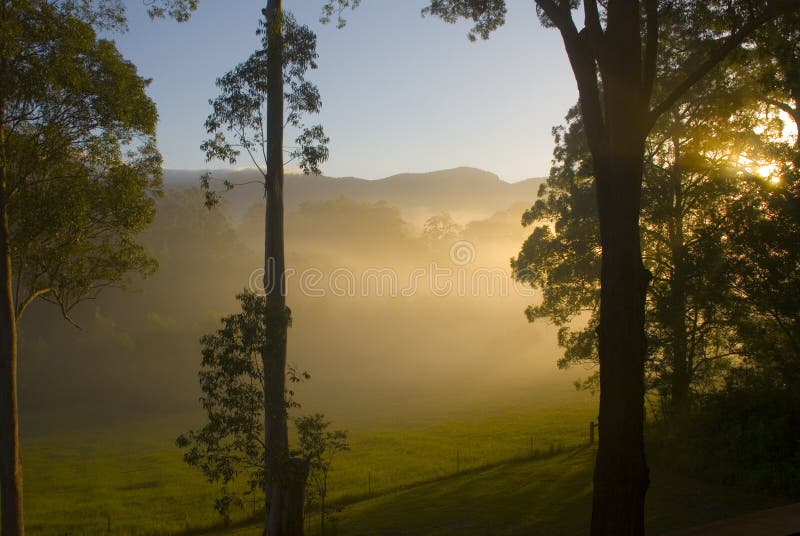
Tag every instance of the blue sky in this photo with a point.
(400, 92)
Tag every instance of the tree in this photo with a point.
(78, 169)
(614, 61)
(769, 253)
(318, 446)
(231, 444)
(691, 186)
(441, 228)
(249, 115)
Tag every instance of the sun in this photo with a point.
(768, 171)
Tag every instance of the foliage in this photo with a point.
(80, 154)
(337, 7)
(231, 444)
(238, 119)
(488, 15)
(562, 258)
(690, 195)
(180, 10)
(441, 228)
(318, 446)
(745, 435)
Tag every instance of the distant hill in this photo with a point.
(462, 191)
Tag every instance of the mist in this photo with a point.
(394, 314)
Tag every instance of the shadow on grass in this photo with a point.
(353, 499)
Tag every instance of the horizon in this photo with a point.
(436, 98)
(296, 172)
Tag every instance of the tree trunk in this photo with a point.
(680, 355)
(285, 478)
(296, 496)
(617, 140)
(10, 459)
(322, 515)
(621, 474)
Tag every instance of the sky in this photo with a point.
(401, 93)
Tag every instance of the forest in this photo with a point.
(256, 345)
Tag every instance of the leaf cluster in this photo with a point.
(237, 122)
(79, 153)
(231, 445)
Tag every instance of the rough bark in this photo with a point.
(10, 455)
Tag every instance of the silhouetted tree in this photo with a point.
(78, 167)
(692, 175)
(231, 443)
(249, 115)
(614, 58)
(318, 446)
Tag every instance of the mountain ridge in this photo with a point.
(460, 190)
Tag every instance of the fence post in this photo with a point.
(591, 432)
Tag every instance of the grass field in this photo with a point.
(549, 495)
(130, 477)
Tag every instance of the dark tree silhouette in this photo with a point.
(614, 61)
(249, 116)
(78, 167)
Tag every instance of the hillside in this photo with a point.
(549, 495)
(463, 191)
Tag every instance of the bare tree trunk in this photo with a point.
(285, 477)
(10, 458)
(680, 354)
(277, 316)
(621, 476)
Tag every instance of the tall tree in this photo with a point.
(614, 61)
(78, 167)
(691, 184)
(272, 75)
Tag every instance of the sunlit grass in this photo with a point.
(81, 480)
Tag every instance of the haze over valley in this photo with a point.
(378, 340)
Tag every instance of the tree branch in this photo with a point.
(650, 52)
(716, 57)
(794, 112)
(584, 67)
(21, 306)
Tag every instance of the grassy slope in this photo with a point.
(550, 495)
(76, 478)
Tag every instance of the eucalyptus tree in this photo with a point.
(230, 445)
(258, 98)
(692, 184)
(78, 171)
(614, 59)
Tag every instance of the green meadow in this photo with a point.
(87, 478)
(522, 468)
